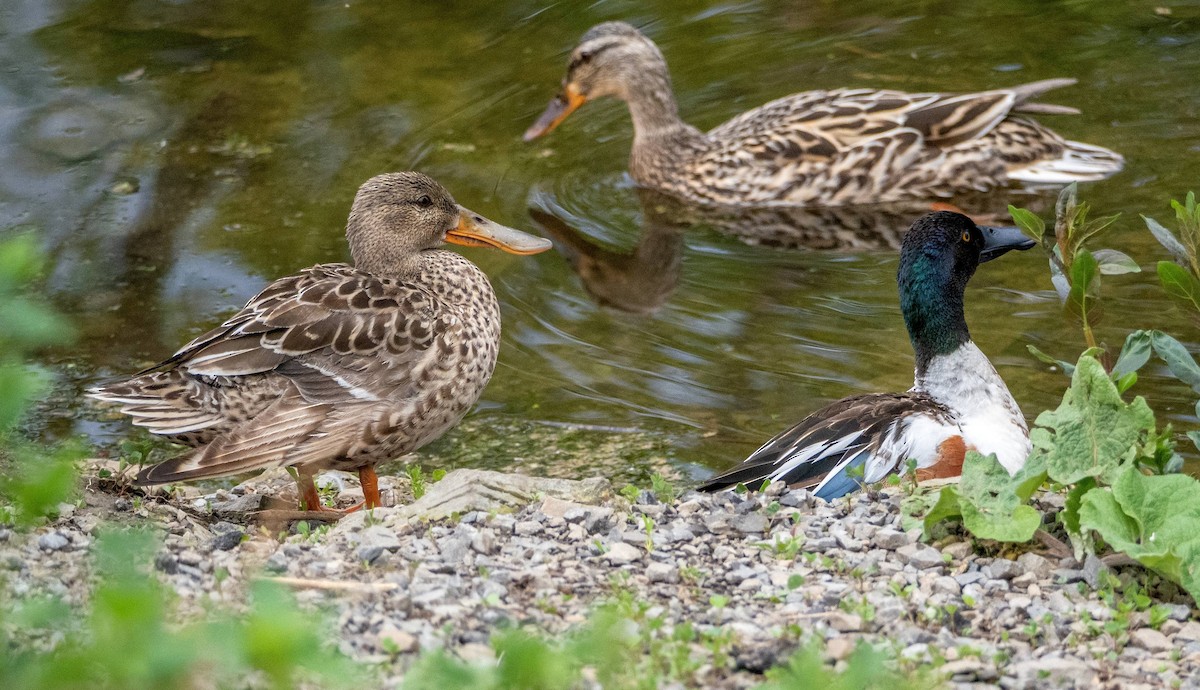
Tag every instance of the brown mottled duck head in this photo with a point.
(609, 58)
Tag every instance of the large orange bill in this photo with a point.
(565, 103)
(473, 230)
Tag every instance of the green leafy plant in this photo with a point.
(126, 639)
(630, 493)
(37, 479)
(28, 324)
(663, 489)
(1075, 270)
(865, 668)
(40, 480)
(1098, 448)
(1153, 519)
(784, 547)
(418, 481)
(1181, 277)
(990, 503)
(623, 646)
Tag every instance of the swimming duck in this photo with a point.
(957, 403)
(338, 366)
(845, 146)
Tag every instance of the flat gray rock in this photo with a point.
(463, 491)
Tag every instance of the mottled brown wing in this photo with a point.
(951, 120)
(815, 145)
(324, 319)
(351, 345)
(264, 442)
(789, 130)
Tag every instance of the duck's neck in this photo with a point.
(395, 267)
(931, 299)
(652, 104)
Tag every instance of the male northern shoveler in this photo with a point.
(957, 403)
(338, 366)
(846, 146)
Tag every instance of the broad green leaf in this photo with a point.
(1069, 517)
(1179, 283)
(1167, 239)
(1030, 478)
(1029, 222)
(1125, 382)
(1113, 262)
(991, 508)
(1154, 519)
(1100, 511)
(1093, 431)
(989, 502)
(1134, 353)
(1085, 285)
(946, 508)
(916, 505)
(1178, 359)
(1084, 272)
(1017, 525)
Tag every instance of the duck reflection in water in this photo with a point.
(642, 280)
(638, 282)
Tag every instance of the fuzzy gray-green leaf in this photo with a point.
(1178, 359)
(1167, 239)
(1093, 432)
(1113, 262)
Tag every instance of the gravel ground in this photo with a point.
(764, 571)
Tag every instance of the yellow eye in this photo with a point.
(966, 235)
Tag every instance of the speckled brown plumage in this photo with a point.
(844, 146)
(338, 366)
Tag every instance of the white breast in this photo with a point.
(967, 383)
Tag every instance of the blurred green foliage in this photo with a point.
(33, 480)
(28, 324)
(624, 647)
(123, 639)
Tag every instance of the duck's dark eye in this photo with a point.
(579, 59)
(966, 235)
(425, 202)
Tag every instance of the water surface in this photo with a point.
(175, 156)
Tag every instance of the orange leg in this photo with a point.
(370, 489)
(309, 499)
(370, 486)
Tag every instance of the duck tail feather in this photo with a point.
(1079, 162)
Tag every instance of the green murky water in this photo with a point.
(175, 156)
